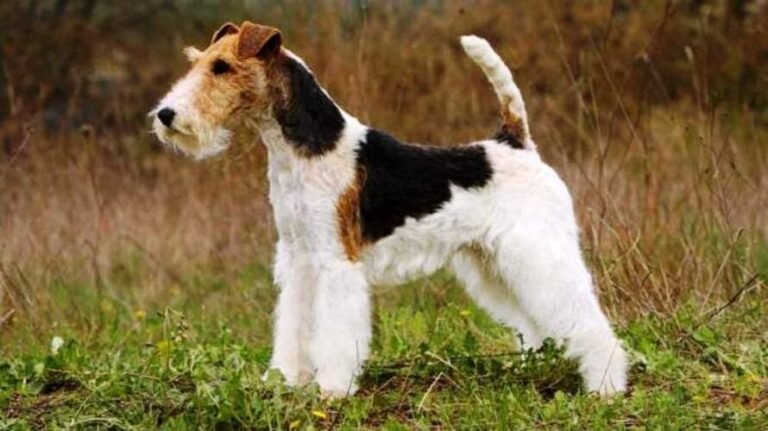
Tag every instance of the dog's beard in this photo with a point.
(212, 143)
(198, 144)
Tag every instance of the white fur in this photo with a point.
(193, 54)
(323, 313)
(513, 243)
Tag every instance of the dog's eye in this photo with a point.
(220, 67)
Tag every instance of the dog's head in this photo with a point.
(227, 89)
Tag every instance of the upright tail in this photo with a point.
(514, 130)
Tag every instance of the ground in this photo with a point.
(437, 361)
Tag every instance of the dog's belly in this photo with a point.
(420, 247)
(399, 258)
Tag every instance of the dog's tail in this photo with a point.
(515, 130)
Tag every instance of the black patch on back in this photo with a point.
(411, 181)
(308, 117)
(504, 136)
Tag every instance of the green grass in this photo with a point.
(194, 359)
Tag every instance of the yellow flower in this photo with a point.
(140, 314)
(163, 346)
(320, 414)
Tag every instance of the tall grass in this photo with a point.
(654, 113)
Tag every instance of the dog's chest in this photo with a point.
(287, 207)
(291, 204)
(303, 198)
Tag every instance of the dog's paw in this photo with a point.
(277, 374)
(335, 385)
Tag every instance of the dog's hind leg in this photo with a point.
(545, 269)
(485, 288)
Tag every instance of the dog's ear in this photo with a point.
(258, 41)
(224, 30)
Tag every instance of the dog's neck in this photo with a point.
(304, 119)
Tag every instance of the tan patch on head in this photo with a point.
(231, 98)
(348, 216)
(227, 91)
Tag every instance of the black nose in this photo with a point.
(166, 116)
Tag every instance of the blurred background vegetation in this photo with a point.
(72, 63)
(655, 112)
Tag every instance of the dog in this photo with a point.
(354, 207)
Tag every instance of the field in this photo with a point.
(135, 286)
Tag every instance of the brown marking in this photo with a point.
(258, 41)
(348, 216)
(513, 125)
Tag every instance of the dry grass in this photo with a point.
(637, 105)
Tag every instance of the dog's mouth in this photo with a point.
(173, 131)
(197, 145)
(167, 134)
(160, 129)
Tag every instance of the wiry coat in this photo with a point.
(355, 207)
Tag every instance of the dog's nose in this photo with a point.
(166, 116)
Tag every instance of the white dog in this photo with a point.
(355, 207)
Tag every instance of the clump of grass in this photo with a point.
(175, 371)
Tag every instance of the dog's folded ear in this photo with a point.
(224, 30)
(258, 41)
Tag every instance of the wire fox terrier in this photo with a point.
(354, 207)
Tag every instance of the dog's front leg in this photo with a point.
(294, 276)
(341, 330)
